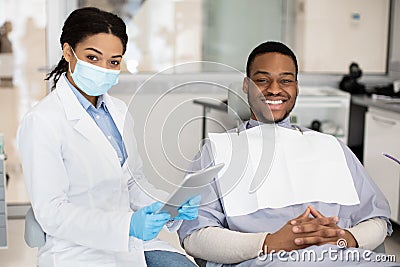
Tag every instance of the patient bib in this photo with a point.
(273, 167)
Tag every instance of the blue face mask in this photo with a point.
(91, 79)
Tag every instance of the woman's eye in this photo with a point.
(93, 58)
(114, 62)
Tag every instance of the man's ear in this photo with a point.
(67, 53)
(246, 81)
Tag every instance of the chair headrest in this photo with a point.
(238, 107)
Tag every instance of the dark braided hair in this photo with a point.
(82, 23)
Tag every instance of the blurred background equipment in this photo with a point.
(349, 81)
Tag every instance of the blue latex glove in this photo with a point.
(146, 225)
(190, 209)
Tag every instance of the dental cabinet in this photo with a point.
(3, 206)
(382, 128)
(327, 107)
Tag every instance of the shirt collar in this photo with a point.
(284, 123)
(84, 102)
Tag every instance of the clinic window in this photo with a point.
(326, 35)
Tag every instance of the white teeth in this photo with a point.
(273, 102)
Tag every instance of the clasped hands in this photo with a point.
(305, 231)
(146, 223)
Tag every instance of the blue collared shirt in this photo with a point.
(103, 119)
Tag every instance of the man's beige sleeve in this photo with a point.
(223, 245)
(370, 233)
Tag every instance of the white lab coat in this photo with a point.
(78, 190)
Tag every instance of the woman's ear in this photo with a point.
(67, 53)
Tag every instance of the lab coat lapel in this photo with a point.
(84, 123)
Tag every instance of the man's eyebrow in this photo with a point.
(286, 73)
(261, 72)
(268, 73)
(97, 51)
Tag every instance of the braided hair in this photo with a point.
(83, 23)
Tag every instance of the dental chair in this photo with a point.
(238, 108)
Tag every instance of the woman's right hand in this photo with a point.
(146, 224)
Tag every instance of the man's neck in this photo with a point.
(283, 123)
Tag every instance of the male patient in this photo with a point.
(225, 233)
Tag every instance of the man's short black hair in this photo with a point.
(270, 47)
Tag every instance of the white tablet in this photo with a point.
(190, 186)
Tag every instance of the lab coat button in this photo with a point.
(109, 137)
(97, 117)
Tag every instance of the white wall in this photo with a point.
(329, 38)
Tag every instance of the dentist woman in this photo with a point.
(75, 159)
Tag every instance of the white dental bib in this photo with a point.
(273, 167)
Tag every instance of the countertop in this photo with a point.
(389, 104)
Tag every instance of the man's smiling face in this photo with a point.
(274, 94)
